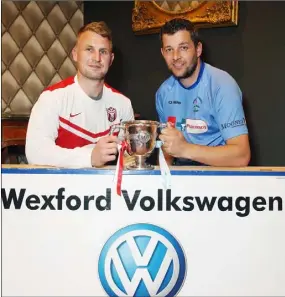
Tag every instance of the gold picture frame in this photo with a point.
(149, 16)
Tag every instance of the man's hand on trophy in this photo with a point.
(173, 141)
(104, 151)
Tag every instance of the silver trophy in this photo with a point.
(140, 136)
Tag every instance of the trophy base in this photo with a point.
(139, 164)
(140, 167)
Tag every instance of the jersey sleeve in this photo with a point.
(229, 113)
(159, 106)
(42, 133)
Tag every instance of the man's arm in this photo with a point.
(42, 133)
(236, 152)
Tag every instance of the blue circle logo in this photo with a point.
(142, 260)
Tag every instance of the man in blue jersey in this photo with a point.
(202, 105)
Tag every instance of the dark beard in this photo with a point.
(189, 72)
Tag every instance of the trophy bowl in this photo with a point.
(140, 136)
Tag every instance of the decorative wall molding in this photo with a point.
(149, 16)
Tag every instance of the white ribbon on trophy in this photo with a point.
(164, 168)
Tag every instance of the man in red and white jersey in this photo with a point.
(70, 123)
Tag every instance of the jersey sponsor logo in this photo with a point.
(196, 104)
(233, 124)
(112, 114)
(72, 115)
(196, 126)
(181, 125)
(174, 102)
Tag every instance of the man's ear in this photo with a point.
(199, 49)
(74, 54)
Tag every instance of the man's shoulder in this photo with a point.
(114, 93)
(221, 85)
(61, 85)
(167, 84)
(58, 91)
(217, 76)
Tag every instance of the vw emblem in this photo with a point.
(142, 260)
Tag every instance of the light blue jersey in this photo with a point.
(209, 112)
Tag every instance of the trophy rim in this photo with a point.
(140, 123)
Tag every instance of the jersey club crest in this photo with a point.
(112, 114)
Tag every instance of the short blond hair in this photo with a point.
(100, 28)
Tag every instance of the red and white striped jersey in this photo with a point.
(65, 123)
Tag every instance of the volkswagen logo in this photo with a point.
(142, 260)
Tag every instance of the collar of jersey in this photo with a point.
(86, 96)
(202, 66)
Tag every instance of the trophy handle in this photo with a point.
(115, 127)
(159, 143)
(162, 125)
(115, 130)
